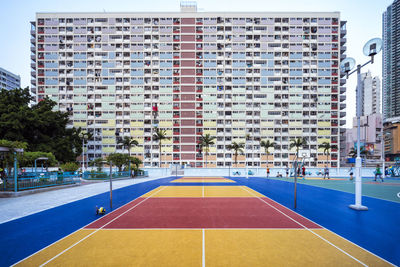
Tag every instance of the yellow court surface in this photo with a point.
(203, 191)
(221, 247)
(302, 248)
(125, 248)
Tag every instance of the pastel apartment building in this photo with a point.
(241, 77)
(9, 80)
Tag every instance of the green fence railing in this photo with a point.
(32, 180)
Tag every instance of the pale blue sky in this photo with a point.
(364, 21)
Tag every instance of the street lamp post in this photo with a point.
(371, 48)
(110, 162)
(383, 150)
(83, 136)
(295, 180)
(110, 185)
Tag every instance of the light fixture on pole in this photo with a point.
(371, 48)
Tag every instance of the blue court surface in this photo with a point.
(376, 230)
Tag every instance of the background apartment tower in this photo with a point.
(391, 80)
(371, 98)
(391, 57)
(262, 75)
(9, 80)
(370, 121)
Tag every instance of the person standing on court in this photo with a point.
(267, 172)
(326, 172)
(303, 171)
(287, 171)
(351, 172)
(378, 172)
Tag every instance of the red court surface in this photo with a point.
(204, 213)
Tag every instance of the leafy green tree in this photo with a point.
(205, 142)
(13, 144)
(267, 145)
(42, 128)
(237, 148)
(160, 135)
(70, 166)
(118, 160)
(28, 158)
(136, 161)
(15, 114)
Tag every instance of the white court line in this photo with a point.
(204, 250)
(362, 263)
(65, 250)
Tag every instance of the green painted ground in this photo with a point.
(387, 190)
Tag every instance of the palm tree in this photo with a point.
(326, 146)
(266, 145)
(98, 162)
(363, 153)
(127, 143)
(353, 152)
(160, 135)
(297, 143)
(205, 142)
(237, 147)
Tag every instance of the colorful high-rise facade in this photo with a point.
(391, 66)
(241, 77)
(9, 80)
(391, 80)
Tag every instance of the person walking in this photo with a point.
(287, 171)
(267, 172)
(378, 172)
(351, 172)
(303, 171)
(326, 172)
(2, 175)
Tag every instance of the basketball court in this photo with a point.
(217, 223)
